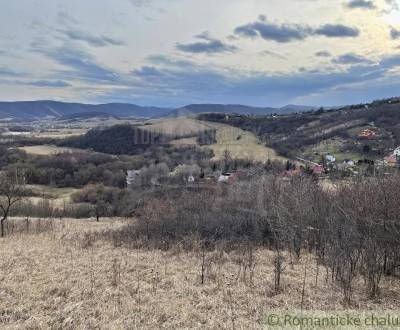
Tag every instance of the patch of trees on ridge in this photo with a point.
(119, 139)
(130, 140)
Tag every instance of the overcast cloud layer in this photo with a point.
(176, 52)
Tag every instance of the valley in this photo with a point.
(227, 215)
(203, 164)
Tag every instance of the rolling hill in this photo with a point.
(39, 110)
(195, 109)
(363, 131)
(36, 110)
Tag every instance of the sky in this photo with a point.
(171, 53)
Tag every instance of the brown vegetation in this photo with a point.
(353, 230)
(9, 197)
(62, 274)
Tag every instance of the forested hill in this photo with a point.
(37, 110)
(119, 139)
(294, 133)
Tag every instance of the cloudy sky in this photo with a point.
(176, 52)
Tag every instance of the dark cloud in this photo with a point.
(72, 31)
(293, 32)
(170, 84)
(351, 58)
(36, 83)
(395, 34)
(337, 31)
(363, 4)
(147, 72)
(79, 64)
(170, 61)
(91, 39)
(48, 83)
(270, 31)
(207, 45)
(8, 72)
(169, 73)
(323, 53)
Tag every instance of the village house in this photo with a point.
(330, 158)
(225, 178)
(348, 163)
(231, 177)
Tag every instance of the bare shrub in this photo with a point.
(278, 271)
(9, 197)
(353, 230)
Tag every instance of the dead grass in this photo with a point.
(333, 147)
(58, 196)
(185, 142)
(240, 144)
(63, 280)
(45, 150)
(178, 127)
(60, 133)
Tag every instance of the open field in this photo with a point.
(240, 144)
(178, 127)
(58, 196)
(63, 279)
(52, 192)
(45, 150)
(90, 123)
(61, 133)
(333, 147)
(185, 142)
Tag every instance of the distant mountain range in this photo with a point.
(36, 110)
(237, 109)
(39, 110)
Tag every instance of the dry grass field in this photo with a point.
(60, 278)
(57, 196)
(239, 143)
(45, 150)
(185, 142)
(61, 133)
(333, 147)
(178, 127)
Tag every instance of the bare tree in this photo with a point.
(9, 196)
(101, 209)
